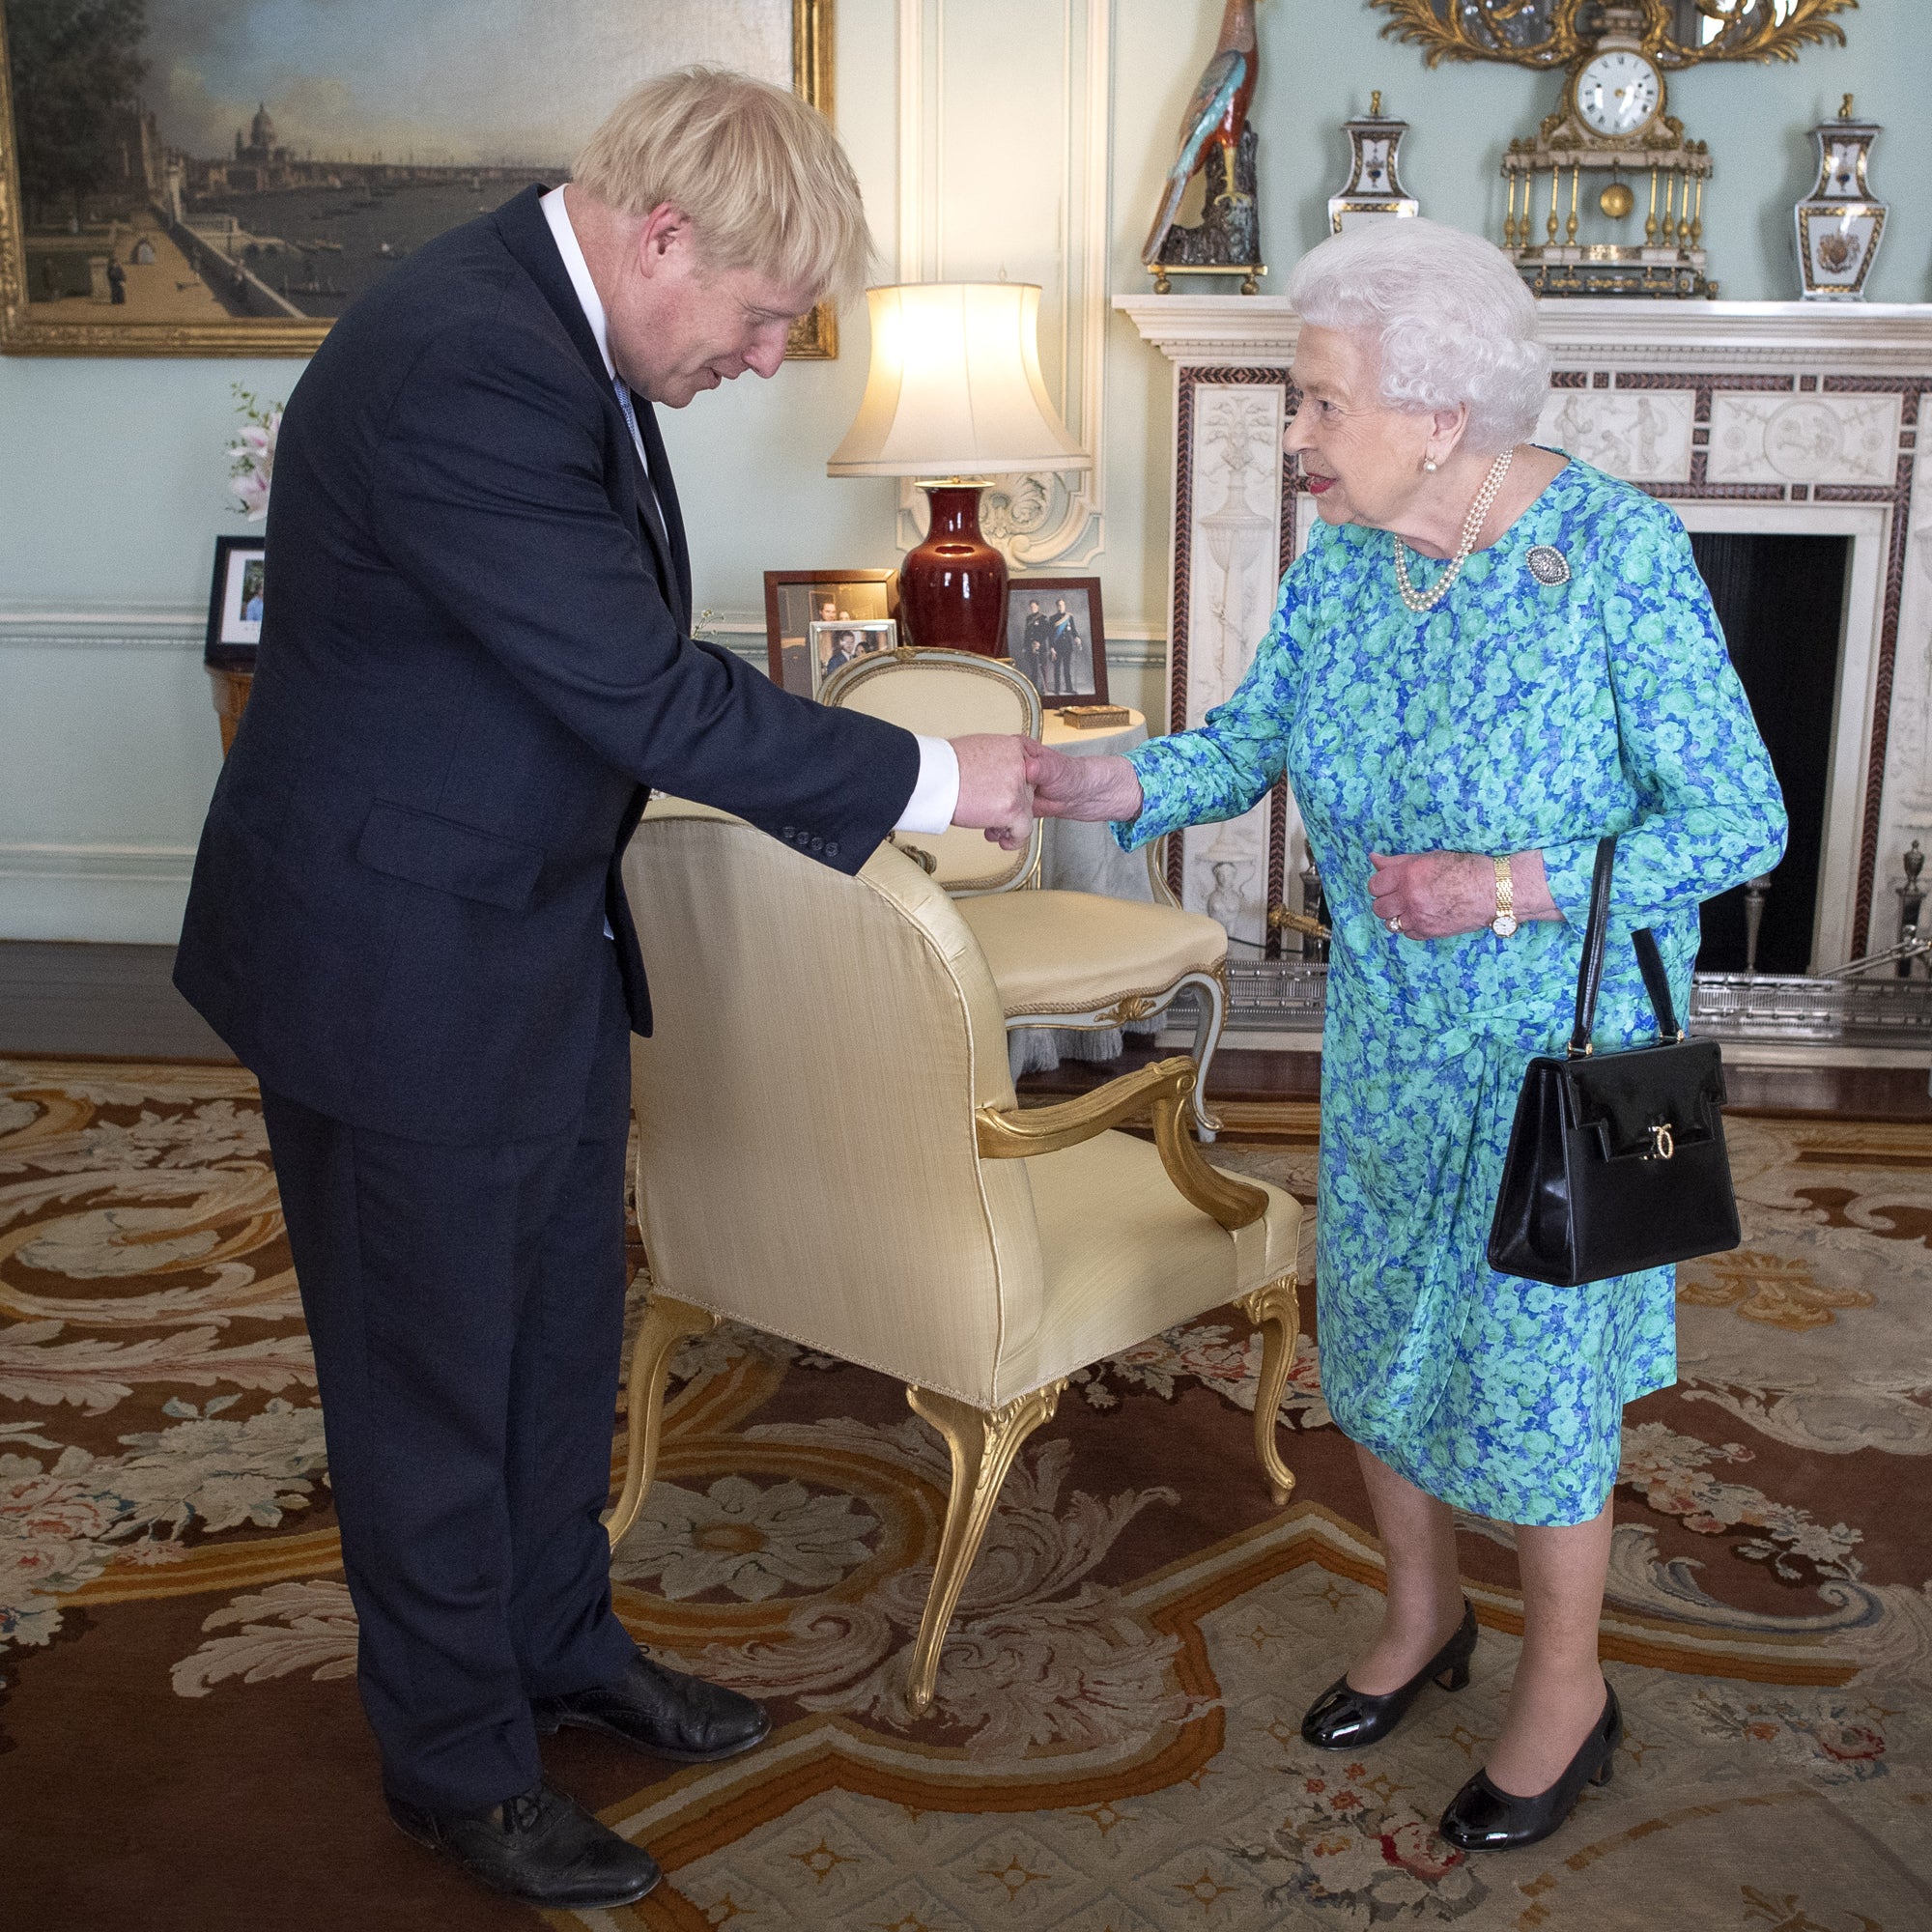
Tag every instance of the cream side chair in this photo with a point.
(1079, 960)
(830, 1150)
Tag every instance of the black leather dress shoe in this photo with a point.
(1345, 1719)
(1481, 1818)
(541, 1847)
(662, 1711)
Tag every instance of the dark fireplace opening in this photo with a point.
(1781, 601)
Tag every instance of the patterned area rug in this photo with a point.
(1113, 1746)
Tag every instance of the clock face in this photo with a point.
(1617, 93)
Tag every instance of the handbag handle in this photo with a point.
(1590, 973)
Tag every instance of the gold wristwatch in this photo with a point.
(1505, 922)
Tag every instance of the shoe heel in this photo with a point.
(1455, 1678)
(1604, 1771)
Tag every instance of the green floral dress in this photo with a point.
(1517, 716)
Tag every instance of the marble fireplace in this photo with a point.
(1770, 417)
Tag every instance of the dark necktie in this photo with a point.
(647, 494)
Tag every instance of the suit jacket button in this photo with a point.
(790, 831)
(832, 848)
(818, 844)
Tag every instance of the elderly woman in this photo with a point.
(1489, 657)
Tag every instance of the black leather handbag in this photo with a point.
(1616, 1161)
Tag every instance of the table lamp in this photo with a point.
(954, 398)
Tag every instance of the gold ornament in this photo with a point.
(1494, 30)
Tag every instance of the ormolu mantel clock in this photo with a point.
(1611, 123)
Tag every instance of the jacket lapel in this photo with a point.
(526, 234)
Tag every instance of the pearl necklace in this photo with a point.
(1472, 524)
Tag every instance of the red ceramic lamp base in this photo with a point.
(952, 588)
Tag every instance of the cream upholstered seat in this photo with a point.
(1079, 960)
(830, 1150)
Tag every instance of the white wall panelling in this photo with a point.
(1006, 180)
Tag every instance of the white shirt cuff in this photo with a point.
(935, 798)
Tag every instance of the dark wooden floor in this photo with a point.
(117, 1002)
(104, 1001)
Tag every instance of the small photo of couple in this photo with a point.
(838, 641)
(1055, 637)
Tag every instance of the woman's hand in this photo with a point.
(1439, 895)
(1089, 788)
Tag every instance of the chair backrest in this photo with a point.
(808, 1160)
(949, 694)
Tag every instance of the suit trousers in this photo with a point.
(466, 1310)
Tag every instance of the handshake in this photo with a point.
(1006, 782)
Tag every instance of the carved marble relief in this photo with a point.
(1235, 477)
(1644, 438)
(1806, 438)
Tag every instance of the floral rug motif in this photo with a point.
(1114, 1743)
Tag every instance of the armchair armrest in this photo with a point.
(1163, 1089)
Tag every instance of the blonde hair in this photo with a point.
(760, 175)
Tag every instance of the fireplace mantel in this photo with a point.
(1894, 336)
(1791, 416)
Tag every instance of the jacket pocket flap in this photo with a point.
(449, 856)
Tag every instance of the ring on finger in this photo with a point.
(1393, 923)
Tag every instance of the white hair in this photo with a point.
(1447, 316)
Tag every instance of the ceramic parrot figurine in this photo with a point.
(1214, 117)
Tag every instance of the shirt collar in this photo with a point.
(578, 271)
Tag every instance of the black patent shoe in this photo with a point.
(1480, 1818)
(1345, 1719)
(541, 1847)
(661, 1711)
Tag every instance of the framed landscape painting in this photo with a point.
(224, 177)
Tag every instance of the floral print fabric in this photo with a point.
(1516, 716)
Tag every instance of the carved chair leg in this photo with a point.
(665, 1323)
(1275, 1309)
(1206, 1038)
(982, 1443)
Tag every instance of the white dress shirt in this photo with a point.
(935, 796)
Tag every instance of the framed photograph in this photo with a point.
(837, 645)
(183, 178)
(795, 600)
(235, 603)
(1056, 636)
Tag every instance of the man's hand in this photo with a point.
(1089, 788)
(1438, 895)
(994, 794)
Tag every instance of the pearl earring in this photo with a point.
(1428, 464)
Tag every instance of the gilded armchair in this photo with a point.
(830, 1150)
(1078, 960)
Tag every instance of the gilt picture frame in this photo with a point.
(184, 191)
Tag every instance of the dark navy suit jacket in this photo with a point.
(474, 665)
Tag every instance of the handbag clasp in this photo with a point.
(1662, 1143)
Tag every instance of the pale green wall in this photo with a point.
(111, 471)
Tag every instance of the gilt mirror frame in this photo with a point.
(1552, 33)
(813, 336)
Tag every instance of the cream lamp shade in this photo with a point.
(954, 386)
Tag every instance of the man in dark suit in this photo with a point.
(407, 916)
(1034, 637)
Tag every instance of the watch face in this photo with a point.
(1617, 93)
